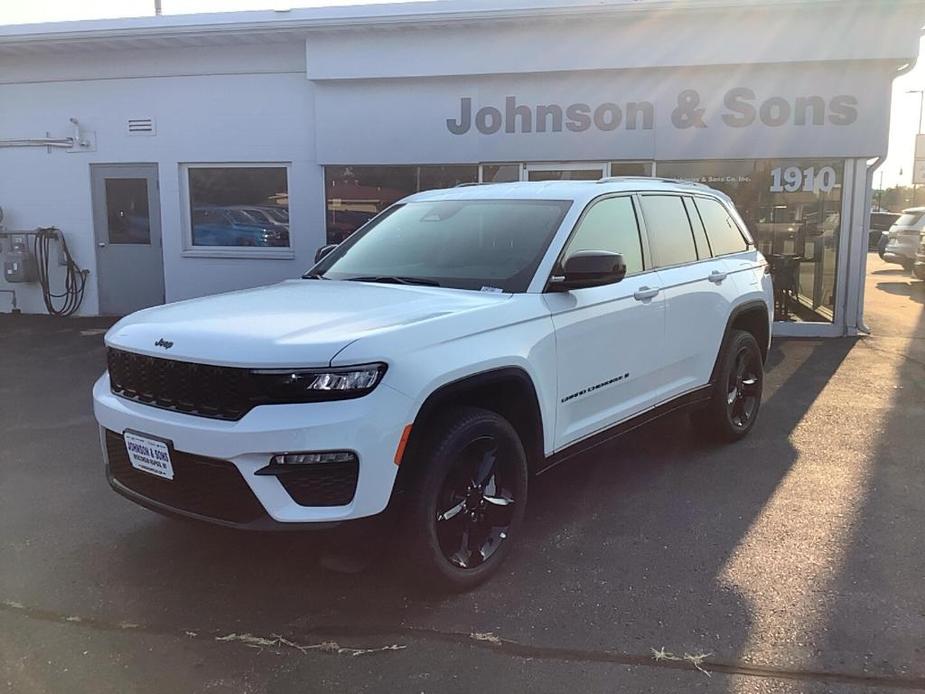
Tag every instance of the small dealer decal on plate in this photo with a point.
(149, 455)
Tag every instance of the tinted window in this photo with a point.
(221, 199)
(486, 245)
(127, 210)
(610, 225)
(669, 230)
(356, 194)
(700, 235)
(722, 230)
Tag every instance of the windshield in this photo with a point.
(472, 244)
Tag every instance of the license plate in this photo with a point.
(149, 455)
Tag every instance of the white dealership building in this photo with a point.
(189, 155)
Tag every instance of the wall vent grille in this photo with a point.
(141, 126)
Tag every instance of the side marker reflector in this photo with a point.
(402, 442)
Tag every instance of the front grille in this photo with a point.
(205, 486)
(219, 392)
(322, 484)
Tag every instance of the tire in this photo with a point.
(467, 502)
(919, 271)
(736, 400)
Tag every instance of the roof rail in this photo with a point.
(469, 184)
(675, 181)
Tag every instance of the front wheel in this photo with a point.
(733, 408)
(467, 503)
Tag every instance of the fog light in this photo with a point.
(311, 458)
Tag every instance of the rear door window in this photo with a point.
(671, 239)
(724, 234)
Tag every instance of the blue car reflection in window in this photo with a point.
(237, 226)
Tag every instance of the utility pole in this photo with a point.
(915, 186)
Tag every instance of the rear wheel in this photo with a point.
(468, 501)
(733, 408)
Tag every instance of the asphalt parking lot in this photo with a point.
(792, 561)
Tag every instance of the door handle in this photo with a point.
(717, 277)
(101, 244)
(645, 293)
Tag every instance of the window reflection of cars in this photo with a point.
(279, 214)
(258, 215)
(227, 226)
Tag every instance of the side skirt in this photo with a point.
(689, 400)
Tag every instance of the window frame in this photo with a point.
(251, 252)
(548, 287)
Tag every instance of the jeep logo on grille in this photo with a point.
(166, 344)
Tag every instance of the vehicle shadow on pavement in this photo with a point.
(624, 549)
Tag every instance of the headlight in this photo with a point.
(307, 385)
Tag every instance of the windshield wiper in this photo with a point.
(395, 279)
(314, 276)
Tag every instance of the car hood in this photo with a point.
(300, 323)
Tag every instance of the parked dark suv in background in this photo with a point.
(880, 223)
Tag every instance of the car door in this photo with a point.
(609, 339)
(697, 289)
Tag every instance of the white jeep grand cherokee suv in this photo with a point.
(458, 343)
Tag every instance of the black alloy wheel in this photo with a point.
(477, 502)
(467, 500)
(733, 408)
(742, 390)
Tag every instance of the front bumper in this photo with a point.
(370, 426)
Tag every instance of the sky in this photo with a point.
(903, 123)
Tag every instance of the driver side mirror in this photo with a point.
(590, 269)
(323, 251)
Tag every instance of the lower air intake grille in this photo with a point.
(322, 484)
(205, 486)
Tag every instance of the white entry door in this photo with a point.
(127, 223)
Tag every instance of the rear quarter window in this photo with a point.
(724, 234)
(910, 219)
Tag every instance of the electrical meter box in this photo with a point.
(19, 264)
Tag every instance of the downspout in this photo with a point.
(868, 186)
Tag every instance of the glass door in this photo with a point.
(576, 171)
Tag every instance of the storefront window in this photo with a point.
(793, 209)
(500, 173)
(631, 168)
(356, 194)
(240, 206)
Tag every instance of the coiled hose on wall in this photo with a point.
(75, 281)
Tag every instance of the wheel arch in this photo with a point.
(508, 391)
(752, 317)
